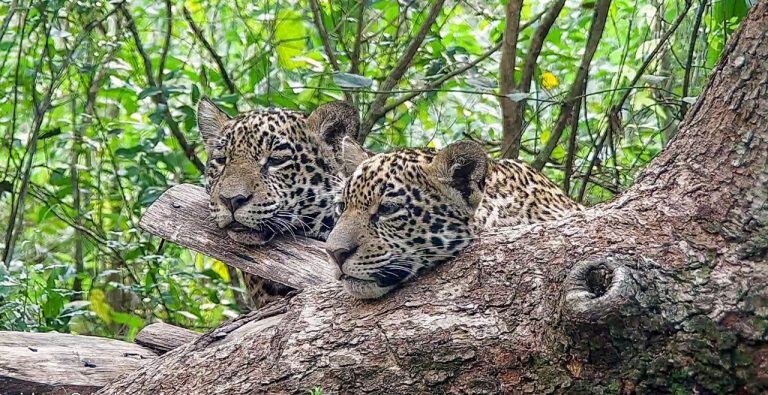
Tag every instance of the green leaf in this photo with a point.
(149, 92)
(290, 36)
(347, 80)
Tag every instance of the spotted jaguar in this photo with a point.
(272, 172)
(405, 211)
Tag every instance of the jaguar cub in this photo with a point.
(271, 172)
(404, 211)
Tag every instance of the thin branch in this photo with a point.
(613, 116)
(537, 43)
(166, 43)
(510, 114)
(691, 50)
(375, 112)
(434, 85)
(662, 41)
(354, 60)
(599, 18)
(17, 215)
(160, 99)
(318, 18)
(198, 33)
(438, 82)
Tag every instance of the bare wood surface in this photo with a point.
(161, 337)
(180, 215)
(57, 363)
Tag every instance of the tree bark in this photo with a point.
(56, 363)
(664, 289)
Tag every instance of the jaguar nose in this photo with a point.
(235, 202)
(340, 255)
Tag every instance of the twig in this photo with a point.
(375, 112)
(599, 18)
(318, 19)
(691, 49)
(167, 43)
(160, 98)
(613, 116)
(354, 60)
(211, 51)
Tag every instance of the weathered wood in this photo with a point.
(180, 215)
(161, 337)
(56, 363)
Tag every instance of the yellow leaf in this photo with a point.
(99, 305)
(221, 269)
(549, 80)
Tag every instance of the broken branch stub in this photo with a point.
(180, 215)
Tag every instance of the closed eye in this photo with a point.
(220, 160)
(277, 161)
(389, 208)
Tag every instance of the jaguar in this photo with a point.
(272, 172)
(402, 212)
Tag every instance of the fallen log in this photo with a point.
(161, 337)
(180, 215)
(56, 363)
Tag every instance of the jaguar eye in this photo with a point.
(389, 208)
(338, 208)
(220, 161)
(274, 162)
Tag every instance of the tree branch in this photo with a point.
(432, 86)
(329, 52)
(166, 43)
(354, 60)
(691, 49)
(537, 43)
(375, 112)
(510, 114)
(160, 99)
(613, 116)
(198, 33)
(599, 18)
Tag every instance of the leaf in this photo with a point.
(347, 80)
(690, 99)
(549, 80)
(99, 305)
(290, 36)
(50, 133)
(518, 96)
(53, 304)
(151, 91)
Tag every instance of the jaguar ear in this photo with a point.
(463, 166)
(352, 154)
(210, 120)
(333, 121)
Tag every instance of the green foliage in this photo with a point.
(89, 136)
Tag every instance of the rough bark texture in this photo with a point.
(181, 215)
(55, 363)
(663, 289)
(161, 337)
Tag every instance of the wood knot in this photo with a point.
(597, 289)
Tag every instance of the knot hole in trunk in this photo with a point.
(595, 290)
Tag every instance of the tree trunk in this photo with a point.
(664, 289)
